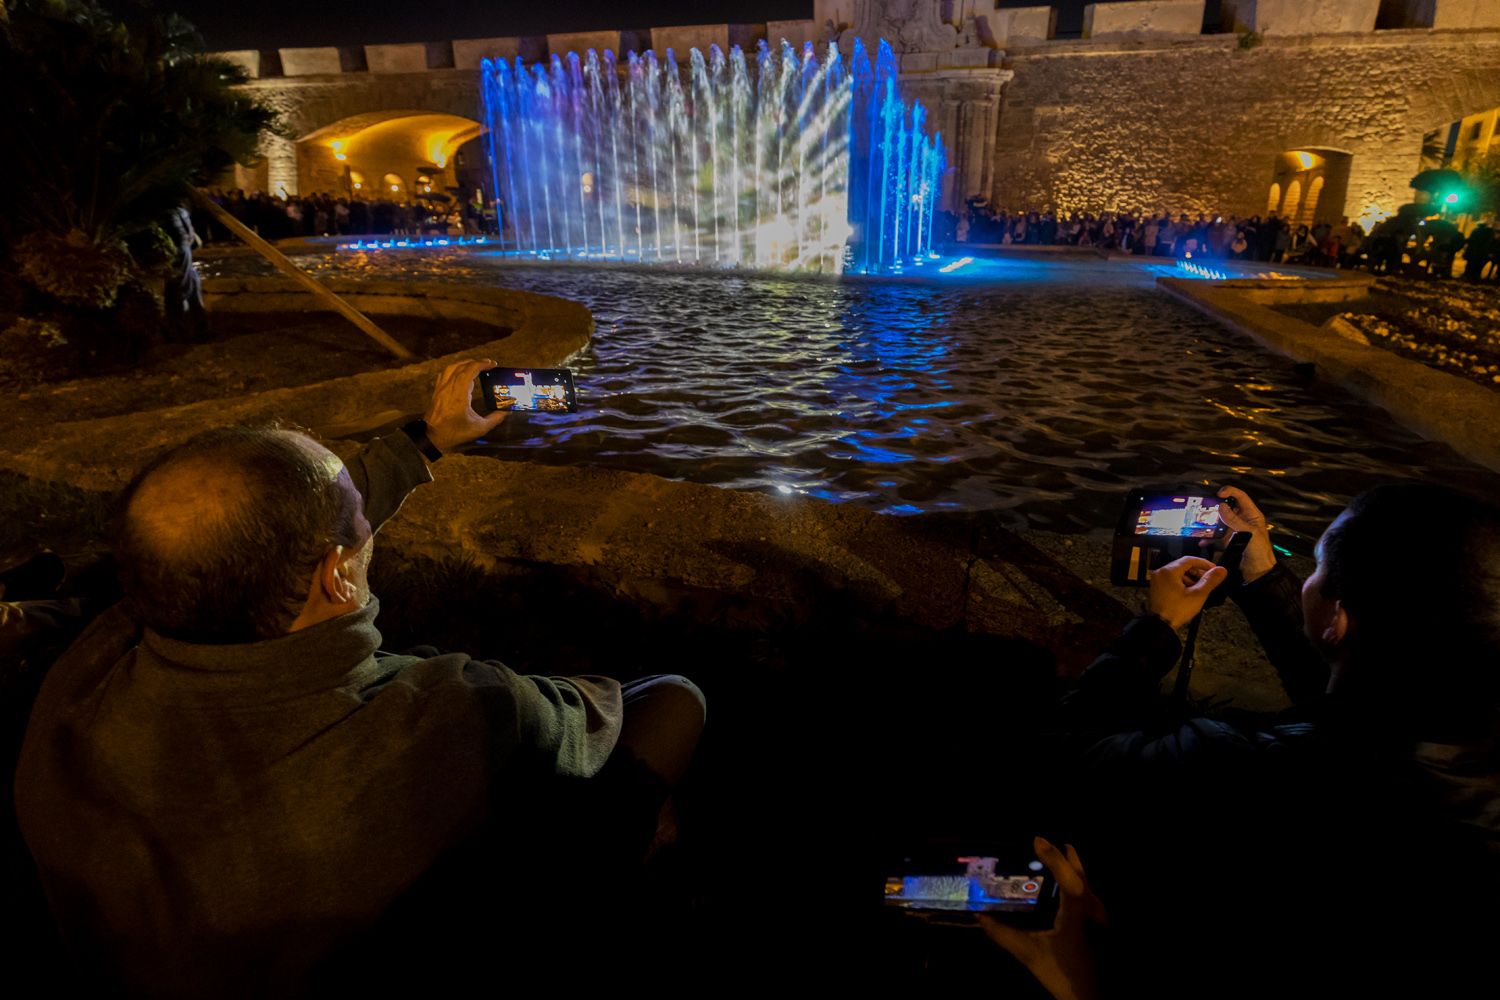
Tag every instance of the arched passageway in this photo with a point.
(1309, 185)
(397, 155)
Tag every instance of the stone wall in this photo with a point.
(1197, 127)
(1299, 17)
(1148, 112)
(1142, 19)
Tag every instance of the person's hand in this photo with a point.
(1259, 556)
(1179, 589)
(451, 420)
(1059, 958)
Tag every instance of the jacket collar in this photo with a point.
(333, 654)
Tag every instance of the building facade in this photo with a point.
(1314, 108)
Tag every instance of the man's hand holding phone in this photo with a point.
(1241, 514)
(451, 419)
(1061, 957)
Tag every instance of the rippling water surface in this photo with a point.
(1046, 396)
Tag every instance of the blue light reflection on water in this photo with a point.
(886, 362)
(1045, 391)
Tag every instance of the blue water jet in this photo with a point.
(802, 164)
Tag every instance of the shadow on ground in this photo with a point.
(832, 745)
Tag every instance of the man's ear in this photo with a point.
(1338, 626)
(333, 577)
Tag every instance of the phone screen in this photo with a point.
(530, 390)
(970, 884)
(1181, 515)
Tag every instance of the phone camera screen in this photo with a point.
(530, 390)
(971, 885)
(1182, 516)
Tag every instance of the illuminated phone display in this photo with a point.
(529, 390)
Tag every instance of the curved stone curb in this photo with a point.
(749, 559)
(1439, 406)
(102, 454)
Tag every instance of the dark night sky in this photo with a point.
(267, 24)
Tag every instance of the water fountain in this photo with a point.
(785, 162)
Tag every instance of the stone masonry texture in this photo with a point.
(1198, 127)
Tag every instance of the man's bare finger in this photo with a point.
(458, 373)
(454, 372)
(1075, 860)
(1243, 505)
(1068, 880)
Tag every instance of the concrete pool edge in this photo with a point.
(750, 562)
(1437, 405)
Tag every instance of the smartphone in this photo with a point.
(1179, 515)
(1011, 885)
(528, 390)
(1157, 526)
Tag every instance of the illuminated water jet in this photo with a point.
(804, 164)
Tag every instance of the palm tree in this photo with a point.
(112, 119)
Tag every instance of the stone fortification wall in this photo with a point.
(1199, 126)
(1153, 108)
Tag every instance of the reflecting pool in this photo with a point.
(1040, 389)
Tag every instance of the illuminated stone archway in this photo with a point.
(1309, 185)
(1293, 203)
(1309, 213)
(416, 151)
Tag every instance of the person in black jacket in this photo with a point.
(1355, 843)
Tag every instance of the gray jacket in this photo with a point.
(216, 819)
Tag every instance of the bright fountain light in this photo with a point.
(776, 161)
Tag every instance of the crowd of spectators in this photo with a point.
(1431, 249)
(1269, 239)
(322, 214)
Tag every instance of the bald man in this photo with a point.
(225, 781)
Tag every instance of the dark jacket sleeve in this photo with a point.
(571, 723)
(1273, 606)
(1120, 690)
(548, 725)
(385, 471)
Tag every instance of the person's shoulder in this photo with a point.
(107, 642)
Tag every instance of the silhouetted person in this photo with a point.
(186, 318)
(1271, 859)
(1478, 251)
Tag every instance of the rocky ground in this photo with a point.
(1452, 326)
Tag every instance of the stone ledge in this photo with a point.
(102, 454)
(1436, 405)
(762, 562)
(1398, 38)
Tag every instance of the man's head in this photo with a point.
(243, 534)
(1406, 598)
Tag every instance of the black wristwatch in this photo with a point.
(417, 431)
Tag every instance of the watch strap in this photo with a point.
(417, 431)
